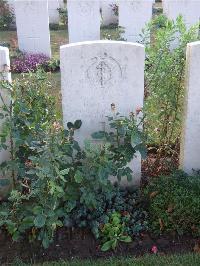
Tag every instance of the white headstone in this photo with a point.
(4, 75)
(96, 74)
(190, 147)
(133, 16)
(33, 26)
(53, 6)
(83, 20)
(189, 9)
(107, 12)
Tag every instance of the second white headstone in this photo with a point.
(97, 74)
(32, 21)
(83, 20)
(133, 16)
(109, 12)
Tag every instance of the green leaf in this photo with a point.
(114, 244)
(76, 146)
(37, 210)
(135, 139)
(46, 241)
(64, 172)
(129, 177)
(40, 220)
(59, 189)
(142, 150)
(1, 115)
(98, 135)
(126, 239)
(28, 220)
(78, 177)
(4, 182)
(77, 124)
(70, 206)
(70, 125)
(31, 172)
(59, 223)
(107, 245)
(62, 178)
(15, 236)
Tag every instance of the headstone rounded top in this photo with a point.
(103, 42)
(2, 48)
(194, 43)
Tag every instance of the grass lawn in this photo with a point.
(58, 37)
(150, 260)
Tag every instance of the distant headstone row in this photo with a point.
(84, 18)
(189, 9)
(32, 20)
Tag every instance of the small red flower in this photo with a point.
(154, 250)
(125, 213)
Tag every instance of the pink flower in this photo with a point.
(138, 110)
(154, 250)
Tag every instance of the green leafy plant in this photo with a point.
(53, 65)
(124, 139)
(174, 204)
(128, 202)
(63, 16)
(113, 232)
(6, 15)
(30, 114)
(51, 175)
(165, 82)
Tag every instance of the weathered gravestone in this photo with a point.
(189, 9)
(32, 22)
(97, 74)
(53, 6)
(108, 12)
(4, 75)
(133, 16)
(5, 184)
(4, 64)
(190, 147)
(83, 20)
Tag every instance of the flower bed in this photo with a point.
(25, 62)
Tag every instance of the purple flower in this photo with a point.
(28, 62)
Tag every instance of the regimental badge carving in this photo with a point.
(104, 70)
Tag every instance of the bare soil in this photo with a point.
(70, 244)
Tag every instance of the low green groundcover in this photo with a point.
(150, 260)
